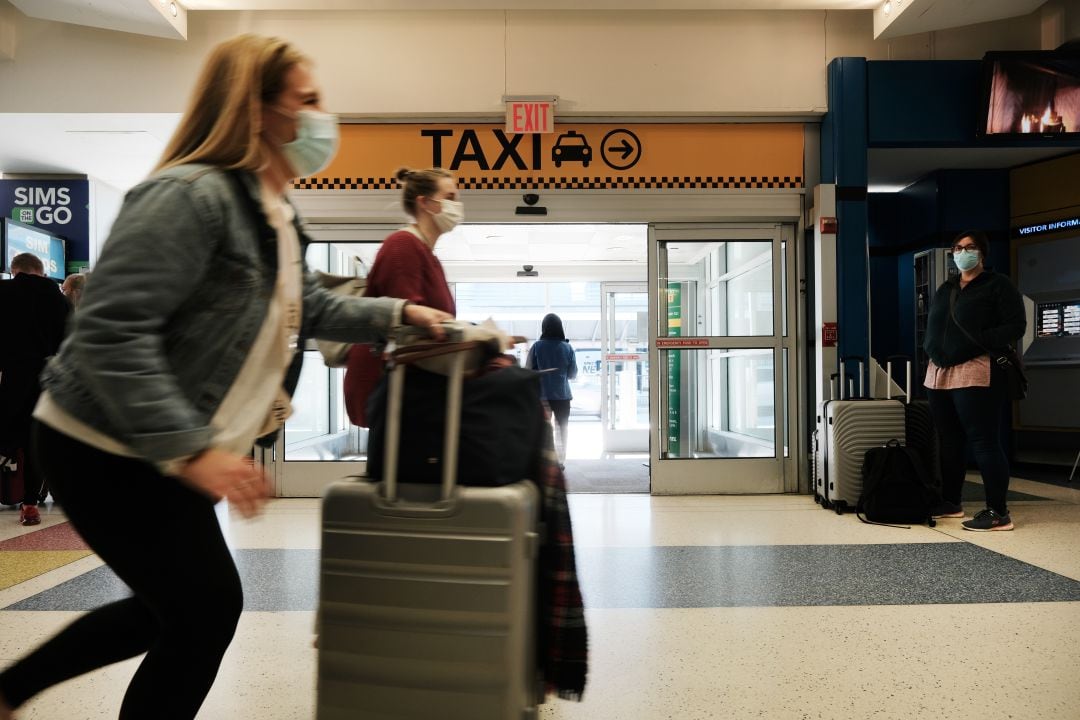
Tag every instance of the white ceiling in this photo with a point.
(483, 251)
(908, 17)
(541, 245)
(310, 5)
(159, 18)
(118, 149)
(893, 169)
(168, 18)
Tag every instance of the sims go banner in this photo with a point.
(61, 207)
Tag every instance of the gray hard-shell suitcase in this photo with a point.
(428, 594)
(846, 429)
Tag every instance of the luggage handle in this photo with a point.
(398, 360)
(888, 371)
(862, 372)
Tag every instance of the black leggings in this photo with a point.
(972, 416)
(170, 551)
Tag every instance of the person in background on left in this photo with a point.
(35, 314)
(73, 288)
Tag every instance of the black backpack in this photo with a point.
(896, 487)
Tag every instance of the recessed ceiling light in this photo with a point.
(888, 7)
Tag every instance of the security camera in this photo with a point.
(527, 268)
(530, 198)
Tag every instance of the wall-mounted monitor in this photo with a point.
(20, 238)
(1057, 319)
(1031, 94)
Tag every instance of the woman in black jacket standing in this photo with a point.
(972, 317)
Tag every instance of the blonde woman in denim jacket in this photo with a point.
(183, 353)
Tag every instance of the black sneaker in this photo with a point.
(987, 521)
(946, 509)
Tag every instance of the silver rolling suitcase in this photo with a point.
(846, 429)
(428, 594)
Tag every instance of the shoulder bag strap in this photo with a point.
(952, 314)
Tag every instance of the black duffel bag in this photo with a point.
(502, 426)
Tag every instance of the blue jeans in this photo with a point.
(972, 416)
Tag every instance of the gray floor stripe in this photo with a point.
(274, 580)
(685, 577)
(802, 575)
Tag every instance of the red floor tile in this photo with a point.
(56, 537)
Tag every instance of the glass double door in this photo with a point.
(722, 352)
(624, 367)
(696, 366)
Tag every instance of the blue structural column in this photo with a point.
(843, 163)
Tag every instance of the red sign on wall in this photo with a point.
(828, 334)
(530, 117)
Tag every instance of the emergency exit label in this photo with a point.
(530, 117)
(681, 342)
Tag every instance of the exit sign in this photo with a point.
(530, 117)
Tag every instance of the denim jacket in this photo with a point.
(172, 310)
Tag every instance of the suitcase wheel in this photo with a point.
(840, 506)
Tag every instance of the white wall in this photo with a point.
(390, 64)
(105, 201)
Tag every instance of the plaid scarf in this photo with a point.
(563, 643)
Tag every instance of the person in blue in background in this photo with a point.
(553, 355)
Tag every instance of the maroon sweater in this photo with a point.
(404, 268)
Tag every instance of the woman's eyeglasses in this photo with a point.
(961, 248)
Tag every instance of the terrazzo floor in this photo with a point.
(698, 607)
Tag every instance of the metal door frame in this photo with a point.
(607, 396)
(683, 476)
(308, 478)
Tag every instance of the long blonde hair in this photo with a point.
(223, 120)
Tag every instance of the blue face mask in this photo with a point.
(966, 259)
(315, 144)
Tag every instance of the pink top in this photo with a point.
(973, 373)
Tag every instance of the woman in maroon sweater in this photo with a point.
(406, 267)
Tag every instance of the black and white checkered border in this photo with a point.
(566, 183)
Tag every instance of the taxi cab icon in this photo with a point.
(571, 147)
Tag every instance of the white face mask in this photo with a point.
(453, 213)
(966, 259)
(315, 144)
